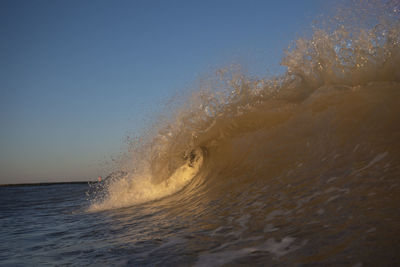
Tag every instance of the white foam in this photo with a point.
(140, 188)
(243, 220)
(332, 198)
(375, 160)
(270, 228)
(274, 214)
(331, 179)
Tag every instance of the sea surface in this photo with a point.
(301, 169)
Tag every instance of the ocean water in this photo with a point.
(302, 169)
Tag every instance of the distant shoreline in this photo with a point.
(47, 184)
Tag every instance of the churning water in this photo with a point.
(300, 169)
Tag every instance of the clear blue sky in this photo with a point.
(76, 77)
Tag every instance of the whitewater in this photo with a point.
(297, 169)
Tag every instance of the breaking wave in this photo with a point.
(333, 116)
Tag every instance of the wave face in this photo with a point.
(284, 164)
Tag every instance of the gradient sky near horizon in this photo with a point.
(77, 77)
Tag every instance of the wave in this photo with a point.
(335, 112)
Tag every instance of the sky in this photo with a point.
(77, 77)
